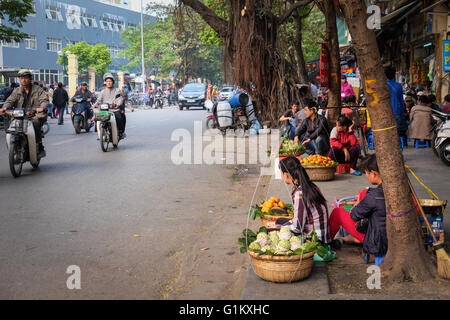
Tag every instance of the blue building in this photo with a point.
(57, 24)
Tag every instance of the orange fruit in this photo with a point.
(281, 205)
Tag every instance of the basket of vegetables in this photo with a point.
(270, 211)
(290, 148)
(319, 168)
(280, 256)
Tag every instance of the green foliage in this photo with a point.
(313, 34)
(16, 12)
(207, 34)
(101, 58)
(176, 42)
(89, 56)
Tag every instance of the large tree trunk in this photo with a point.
(302, 73)
(334, 95)
(252, 45)
(406, 258)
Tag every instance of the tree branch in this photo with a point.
(291, 10)
(218, 24)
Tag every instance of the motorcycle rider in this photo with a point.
(113, 95)
(84, 91)
(30, 97)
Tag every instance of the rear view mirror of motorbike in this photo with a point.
(104, 107)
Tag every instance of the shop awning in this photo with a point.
(397, 12)
(433, 5)
(9, 73)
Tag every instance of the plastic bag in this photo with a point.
(329, 255)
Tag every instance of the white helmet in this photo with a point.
(108, 76)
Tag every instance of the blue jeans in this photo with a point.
(319, 145)
(67, 108)
(50, 109)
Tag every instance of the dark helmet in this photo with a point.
(24, 72)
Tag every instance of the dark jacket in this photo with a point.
(87, 94)
(373, 207)
(37, 98)
(313, 129)
(60, 97)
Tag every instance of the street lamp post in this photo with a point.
(142, 49)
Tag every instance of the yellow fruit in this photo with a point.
(281, 204)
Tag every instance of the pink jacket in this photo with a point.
(347, 90)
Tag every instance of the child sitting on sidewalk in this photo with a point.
(371, 207)
(310, 206)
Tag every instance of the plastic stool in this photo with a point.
(421, 143)
(370, 142)
(378, 259)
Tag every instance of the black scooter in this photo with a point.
(81, 114)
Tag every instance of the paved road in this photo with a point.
(123, 217)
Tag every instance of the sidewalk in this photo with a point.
(319, 285)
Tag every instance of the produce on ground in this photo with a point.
(280, 243)
(318, 160)
(289, 147)
(273, 206)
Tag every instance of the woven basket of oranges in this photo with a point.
(319, 168)
(272, 210)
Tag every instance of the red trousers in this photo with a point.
(341, 217)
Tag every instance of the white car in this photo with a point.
(227, 92)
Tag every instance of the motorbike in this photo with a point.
(81, 118)
(158, 101)
(228, 117)
(211, 122)
(20, 140)
(107, 130)
(440, 142)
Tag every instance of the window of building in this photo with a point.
(30, 42)
(54, 44)
(114, 51)
(89, 20)
(70, 42)
(11, 44)
(132, 25)
(53, 13)
(105, 24)
(112, 24)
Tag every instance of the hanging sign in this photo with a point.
(446, 55)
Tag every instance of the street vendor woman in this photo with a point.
(310, 206)
(371, 207)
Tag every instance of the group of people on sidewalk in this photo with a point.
(311, 129)
(311, 210)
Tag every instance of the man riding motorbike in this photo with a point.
(30, 97)
(84, 91)
(113, 95)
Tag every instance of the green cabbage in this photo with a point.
(262, 235)
(254, 246)
(285, 244)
